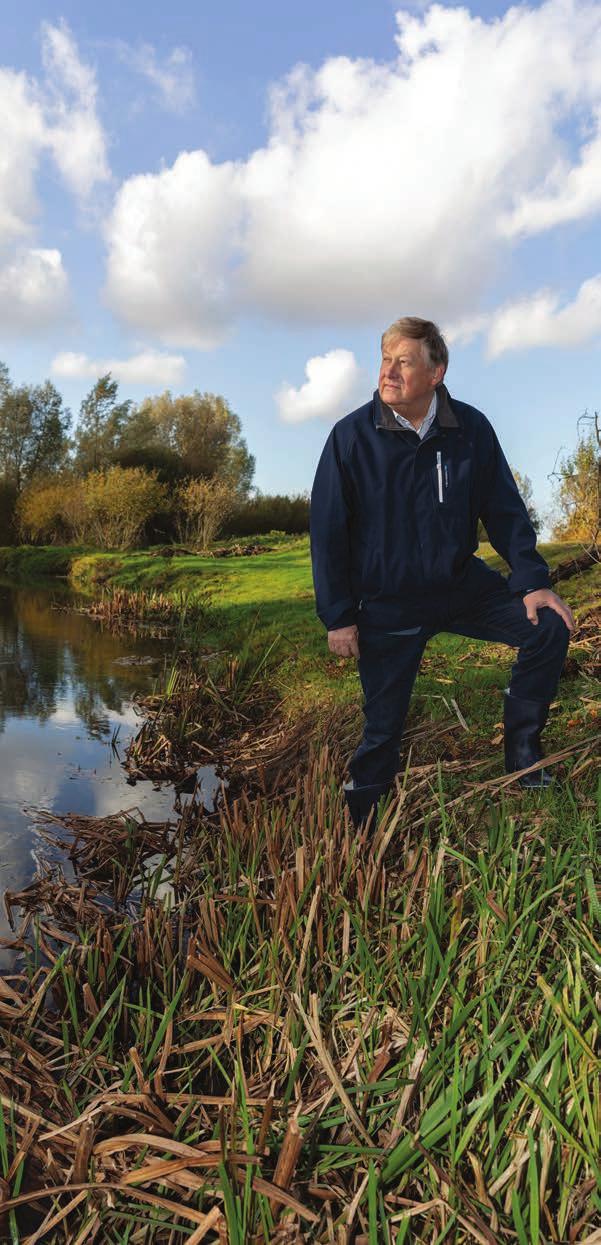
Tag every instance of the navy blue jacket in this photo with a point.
(394, 518)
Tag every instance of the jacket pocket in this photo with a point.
(451, 483)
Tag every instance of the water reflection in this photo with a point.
(47, 655)
(63, 695)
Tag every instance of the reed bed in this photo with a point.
(120, 609)
(313, 1036)
(197, 710)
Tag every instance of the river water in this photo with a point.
(66, 687)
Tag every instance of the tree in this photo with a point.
(4, 381)
(524, 485)
(102, 421)
(202, 430)
(165, 462)
(577, 501)
(33, 431)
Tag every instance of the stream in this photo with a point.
(66, 716)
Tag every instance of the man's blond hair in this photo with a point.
(434, 345)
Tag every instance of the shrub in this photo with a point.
(108, 509)
(202, 506)
(119, 503)
(52, 511)
(267, 513)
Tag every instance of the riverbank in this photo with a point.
(252, 604)
(254, 1026)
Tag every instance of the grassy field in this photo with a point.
(257, 1027)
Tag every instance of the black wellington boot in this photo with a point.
(523, 722)
(361, 800)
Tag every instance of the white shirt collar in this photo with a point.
(425, 424)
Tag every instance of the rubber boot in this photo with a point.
(361, 800)
(523, 722)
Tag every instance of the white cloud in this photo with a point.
(383, 188)
(23, 135)
(569, 193)
(334, 386)
(74, 131)
(540, 321)
(171, 242)
(149, 367)
(56, 115)
(173, 77)
(33, 291)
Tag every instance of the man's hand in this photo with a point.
(344, 642)
(544, 596)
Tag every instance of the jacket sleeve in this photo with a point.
(329, 523)
(505, 517)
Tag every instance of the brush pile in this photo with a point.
(239, 551)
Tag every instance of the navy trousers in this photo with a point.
(389, 661)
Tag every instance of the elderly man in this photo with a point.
(395, 503)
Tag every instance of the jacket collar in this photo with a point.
(445, 415)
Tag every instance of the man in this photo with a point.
(398, 491)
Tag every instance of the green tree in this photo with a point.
(33, 431)
(165, 462)
(201, 429)
(577, 501)
(4, 381)
(524, 484)
(102, 421)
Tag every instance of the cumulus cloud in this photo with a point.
(540, 320)
(569, 193)
(171, 240)
(149, 367)
(33, 291)
(56, 115)
(172, 77)
(381, 187)
(334, 386)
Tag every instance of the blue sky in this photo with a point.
(240, 198)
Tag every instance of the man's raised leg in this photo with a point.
(535, 674)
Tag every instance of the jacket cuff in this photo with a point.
(518, 587)
(336, 617)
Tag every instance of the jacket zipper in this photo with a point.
(439, 470)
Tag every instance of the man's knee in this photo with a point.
(554, 627)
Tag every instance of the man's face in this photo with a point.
(405, 377)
